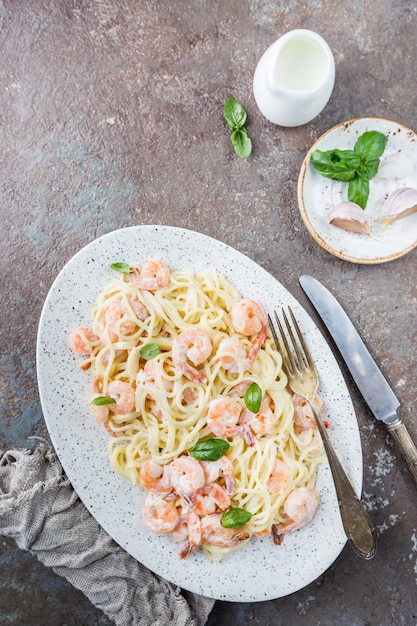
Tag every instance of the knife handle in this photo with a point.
(402, 438)
(355, 520)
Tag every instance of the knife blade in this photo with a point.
(369, 379)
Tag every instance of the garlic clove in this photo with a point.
(399, 204)
(350, 217)
(397, 165)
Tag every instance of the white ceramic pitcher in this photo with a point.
(294, 78)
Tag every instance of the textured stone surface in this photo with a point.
(111, 116)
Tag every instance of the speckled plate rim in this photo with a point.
(306, 209)
(259, 571)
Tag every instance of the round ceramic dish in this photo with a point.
(259, 570)
(317, 195)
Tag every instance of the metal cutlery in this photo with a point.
(303, 380)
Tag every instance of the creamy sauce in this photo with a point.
(301, 65)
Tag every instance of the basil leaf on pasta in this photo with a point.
(253, 398)
(123, 268)
(102, 400)
(210, 450)
(150, 351)
(234, 518)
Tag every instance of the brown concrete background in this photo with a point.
(111, 116)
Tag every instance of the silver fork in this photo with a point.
(303, 379)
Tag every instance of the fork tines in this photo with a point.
(295, 352)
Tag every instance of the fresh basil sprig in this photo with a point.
(121, 267)
(234, 518)
(355, 167)
(102, 400)
(210, 450)
(253, 398)
(149, 351)
(235, 116)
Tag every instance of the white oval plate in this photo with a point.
(259, 570)
(317, 195)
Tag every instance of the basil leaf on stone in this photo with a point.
(241, 142)
(123, 268)
(253, 398)
(150, 351)
(210, 450)
(235, 115)
(234, 518)
(102, 400)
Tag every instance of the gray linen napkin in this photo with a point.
(42, 512)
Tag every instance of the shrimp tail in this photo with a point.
(230, 484)
(186, 550)
(248, 435)
(287, 527)
(187, 499)
(239, 538)
(193, 374)
(253, 350)
(277, 537)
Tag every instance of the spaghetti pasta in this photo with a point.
(187, 348)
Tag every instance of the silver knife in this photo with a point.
(368, 377)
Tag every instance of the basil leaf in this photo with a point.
(241, 142)
(253, 398)
(210, 450)
(371, 144)
(123, 268)
(234, 113)
(368, 168)
(149, 351)
(358, 191)
(336, 164)
(102, 400)
(234, 518)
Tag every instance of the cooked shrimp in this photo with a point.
(211, 498)
(109, 355)
(80, 340)
(238, 391)
(187, 475)
(279, 476)
(149, 375)
(195, 346)
(303, 415)
(124, 394)
(155, 477)
(222, 467)
(223, 419)
(160, 515)
(119, 318)
(262, 421)
(301, 506)
(309, 439)
(189, 396)
(233, 354)
(249, 318)
(190, 521)
(214, 533)
(152, 276)
(101, 413)
(305, 426)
